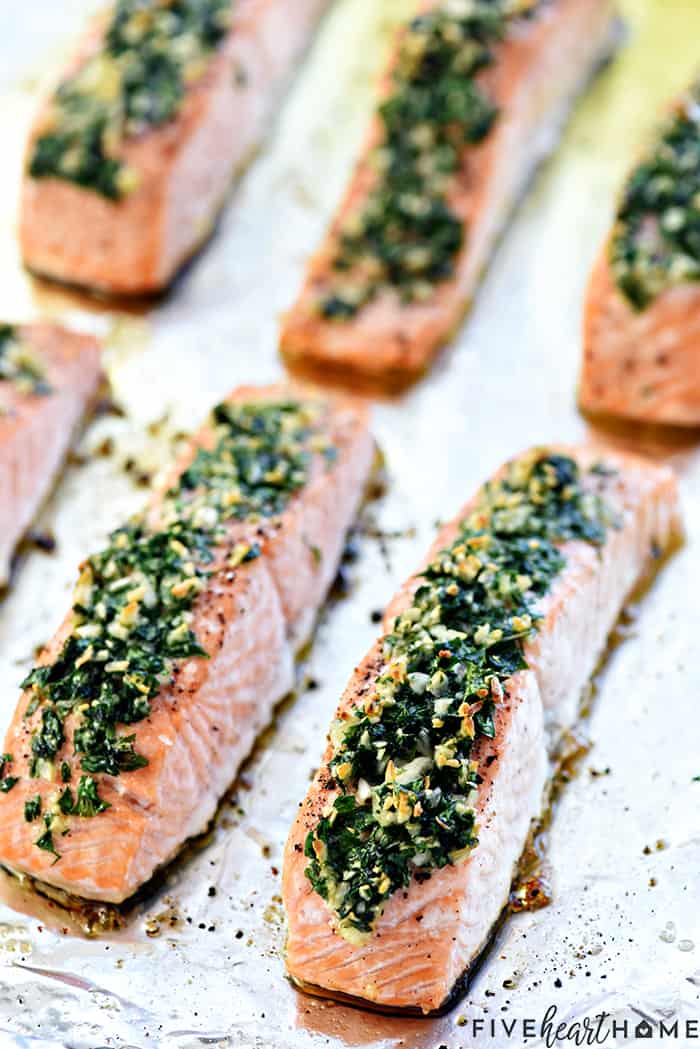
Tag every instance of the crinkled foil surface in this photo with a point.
(200, 962)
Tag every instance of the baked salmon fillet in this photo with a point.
(48, 379)
(402, 856)
(642, 313)
(181, 639)
(472, 100)
(131, 157)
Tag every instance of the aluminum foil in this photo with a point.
(199, 962)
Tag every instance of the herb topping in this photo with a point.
(656, 238)
(407, 235)
(6, 782)
(152, 49)
(20, 365)
(133, 605)
(402, 761)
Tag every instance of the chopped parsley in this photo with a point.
(403, 761)
(151, 51)
(65, 801)
(87, 801)
(132, 607)
(45, 841)
(19, 364)
(406, 235)
(656, 238)
(32, 808)
(6, 782)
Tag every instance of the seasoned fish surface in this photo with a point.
(130, 159)
(642, 311)
(402, 856)
(473, 98)
(180, 641)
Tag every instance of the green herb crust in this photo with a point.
(20, 365)
(6, 782)
(132, 607)
(150, 52)
(402, 761)
(32, 808)
(406, 235)
(656, 238)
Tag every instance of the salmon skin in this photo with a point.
(402, 856)
(131, 157)
(642, 311)
(473, 99)
(48, 378)
(181, 640)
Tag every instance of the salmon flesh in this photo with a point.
(181, 639)
(48, 378)
(131, 158)
(402, 856)
(473, 98)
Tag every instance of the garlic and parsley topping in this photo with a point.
(151, 51)
(403, 775)
(406, 235)
(20, 364)
(133, 606)
(656, 238)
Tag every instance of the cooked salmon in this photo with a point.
(181, 640)
(642, 310)
(402, 856)
(48, 378)
(131, 157)
(472, 101)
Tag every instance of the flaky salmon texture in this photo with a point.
(130, 159)
(48, 379)
(473, 98)
(402, 856)
(181, 639)
(642, 310)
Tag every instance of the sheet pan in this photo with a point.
(199, 962)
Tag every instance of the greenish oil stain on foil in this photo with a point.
(656, 59)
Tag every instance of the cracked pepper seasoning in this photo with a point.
(402, 761)
(151, 51)
(406, 236)
(656, 238)
(133, 604)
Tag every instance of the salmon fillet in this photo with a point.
(181, 640)
(642, 310)
(143, 194)
(460, 127)
(48, 377)
(402, 856)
